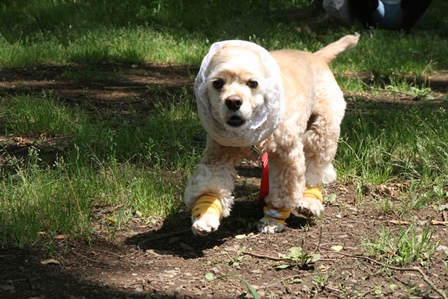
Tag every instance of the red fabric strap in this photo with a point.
(264, 188)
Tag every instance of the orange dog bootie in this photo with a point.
(207, 203)
(314, 192)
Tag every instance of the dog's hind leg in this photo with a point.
(287, 182)
(320, 145)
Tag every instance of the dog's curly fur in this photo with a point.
(301, 148)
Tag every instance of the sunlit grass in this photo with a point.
(401, 144)
(404, 246)
(40, 32)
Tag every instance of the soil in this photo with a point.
(163, 259)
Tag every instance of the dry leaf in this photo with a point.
(337, 248)
(50, 262)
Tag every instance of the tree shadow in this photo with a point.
(23, 275)
(169, 239)
(183, 243)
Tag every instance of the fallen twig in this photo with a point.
(262, 256)
(436, 222)
(86, 257)
(274, 258)
(399, 222)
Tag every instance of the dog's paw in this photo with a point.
(205, 224)
(310, 207)
(269, 226)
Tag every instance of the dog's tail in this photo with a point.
(334, 49)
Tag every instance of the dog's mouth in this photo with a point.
(235, 121)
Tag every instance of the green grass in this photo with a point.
(403, 247)
(168, 31)
(395, 143)
(398, 141)
(138, 167)
(136, 163)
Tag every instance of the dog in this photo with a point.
(285, 102)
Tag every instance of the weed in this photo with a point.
(409, 245)
(236, 260)
(321, 280)
(403, 87)
(298, 257)
(210, 277)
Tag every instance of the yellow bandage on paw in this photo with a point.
(314, 192)
(280, 215)
(207, 203)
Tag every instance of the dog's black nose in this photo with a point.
(234, 103)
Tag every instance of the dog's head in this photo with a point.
(239, 93)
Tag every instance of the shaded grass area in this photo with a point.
(34, 32)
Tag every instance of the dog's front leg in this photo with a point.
(209, 191)
(209, 194)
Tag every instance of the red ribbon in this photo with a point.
(264, 188)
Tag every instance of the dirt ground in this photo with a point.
(165, 260)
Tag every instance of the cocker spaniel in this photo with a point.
(284, 102)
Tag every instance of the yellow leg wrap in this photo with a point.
(314, 192)
(280, 215)
(207, 203)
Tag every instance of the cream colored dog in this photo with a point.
(285, 102)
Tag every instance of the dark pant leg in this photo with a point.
(414, 10)
(363, 9)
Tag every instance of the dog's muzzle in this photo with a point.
(234, 103)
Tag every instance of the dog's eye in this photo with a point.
(252, 84)
(218, 84)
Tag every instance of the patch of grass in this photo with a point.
(322, 279)
(37, 203)
(298, 257)
(401, 144)
(31, 115)
(34, 32)
(136, 168)
(412, 244)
